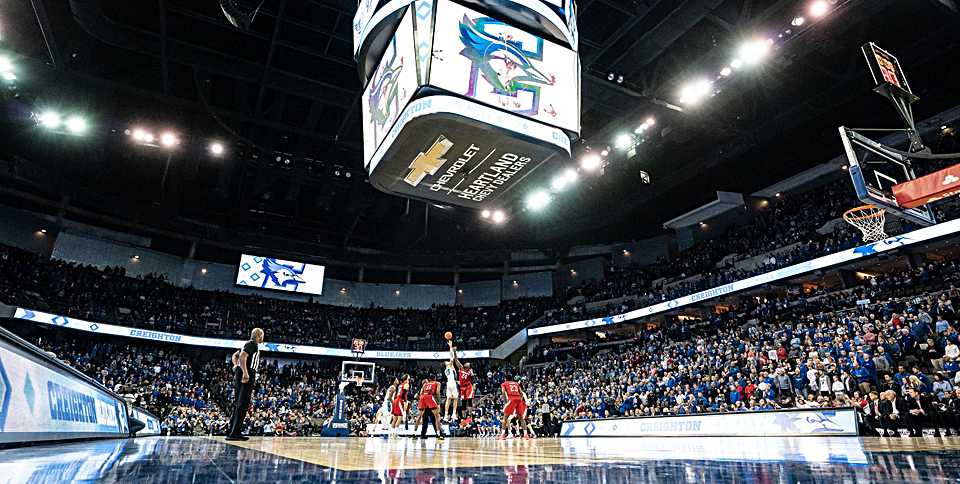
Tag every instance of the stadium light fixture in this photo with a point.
(819, 8)
(725, 71)
(76, 125)
(485, 214)
(5, 65)
(50, 120)
(148, 138)
(651, 121)
(604, 153)
(138, 134)
(216, 148)
(752, 52)
(203, 271)
(797, 21)
(9, 76)
(538, 200)
(778, 194)
(559, 182)
(168, 139)
(623, 141)
(590, 162)
(736, 63)
(570, 174)
(499, 216)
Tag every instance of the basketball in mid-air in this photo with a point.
(448, 335)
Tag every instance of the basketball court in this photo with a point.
(201, 460)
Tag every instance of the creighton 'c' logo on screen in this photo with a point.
(428, 163)
(502, 59)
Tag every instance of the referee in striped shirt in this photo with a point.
(245, 364)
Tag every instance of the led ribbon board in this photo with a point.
(891, 243)
(231, 344)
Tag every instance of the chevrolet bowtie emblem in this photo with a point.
(428, 163)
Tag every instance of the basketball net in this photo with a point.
(869, 220)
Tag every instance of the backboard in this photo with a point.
(875, 169)
(350, 370)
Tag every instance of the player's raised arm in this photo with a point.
(453, 355)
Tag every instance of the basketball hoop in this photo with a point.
(869, 220)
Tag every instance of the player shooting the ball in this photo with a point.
(452, 393)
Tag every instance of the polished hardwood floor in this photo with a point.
(198, 460)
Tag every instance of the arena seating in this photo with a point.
(763, 354)
(108, 295)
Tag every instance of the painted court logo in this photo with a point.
(428, 163)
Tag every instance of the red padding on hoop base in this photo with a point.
(929, 188)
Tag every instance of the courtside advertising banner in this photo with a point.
(390, 88)
(502, 66)
(814, 422)
(890, 243)
(38, 402)
(152, 424)
(848, 450)
(279, 275)
(232, 344)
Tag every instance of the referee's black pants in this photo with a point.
(428, 419)
(241, 392)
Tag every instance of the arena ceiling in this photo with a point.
(283, 99)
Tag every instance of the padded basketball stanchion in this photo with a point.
(338, 425)
(869, 220)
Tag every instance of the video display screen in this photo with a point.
(279, 275)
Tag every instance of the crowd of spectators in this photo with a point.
(109, 295)
(826, 348)
(837, 348)
(786, 230)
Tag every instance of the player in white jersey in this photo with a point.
(383, 415)
(453, 393)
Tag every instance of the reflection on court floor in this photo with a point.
(195, 460)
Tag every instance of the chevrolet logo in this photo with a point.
(428, 163)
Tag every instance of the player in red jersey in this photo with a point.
(429, 409)
(399, 410)
(516, 406)
(467, 389)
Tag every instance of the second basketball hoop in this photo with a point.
(869, 219)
